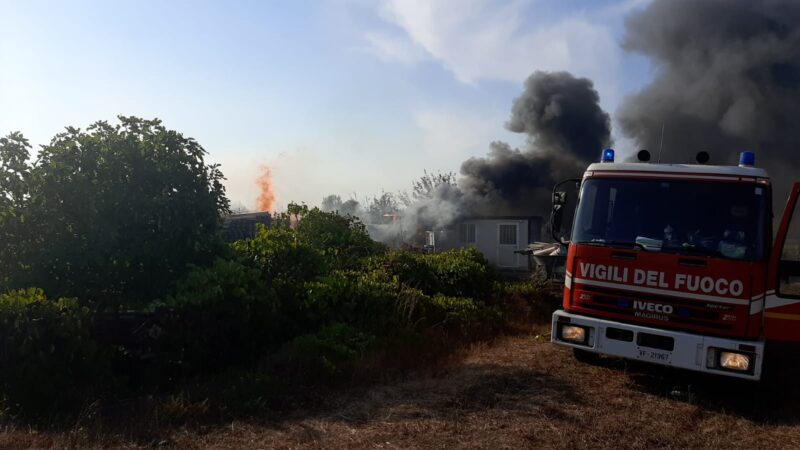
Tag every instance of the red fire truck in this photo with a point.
(675, 264)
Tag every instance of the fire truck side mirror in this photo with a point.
(556, 218)
(559, 203)
(559, 198)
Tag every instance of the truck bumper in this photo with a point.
(669, 348)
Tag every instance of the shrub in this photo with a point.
(462, 273)
(457, 273)
(408, 269)
(342, 240)
(524, 301)
(458, 314)
(48, 358)
(350, 298)
(220, 315)
(329, 350)
(285, 260)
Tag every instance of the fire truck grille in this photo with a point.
(681, 312)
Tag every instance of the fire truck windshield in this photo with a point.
(728, 220)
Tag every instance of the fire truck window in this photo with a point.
(726, 220)
(589, 195)
(789, 267)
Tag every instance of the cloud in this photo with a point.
(449, 134)
(395, 48)
(479, 40)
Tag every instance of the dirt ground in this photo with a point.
(516, 392)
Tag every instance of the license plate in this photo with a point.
(654, 355)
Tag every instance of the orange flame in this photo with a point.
(266, 199)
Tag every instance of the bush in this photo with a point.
(48, 358)
(286, 263)
(284, 260)
(462, 273)
(524, 301)
(457, 273)
(350, 298)
(329, 350)
(218, 316)
(407, 269)
(458, 314)
(342, 240)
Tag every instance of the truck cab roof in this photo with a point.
(687, 169)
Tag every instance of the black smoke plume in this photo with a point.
(566, 129)
(727, 79)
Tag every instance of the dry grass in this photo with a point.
(518, 392)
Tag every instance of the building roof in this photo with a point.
(499, 217)
(243, 226)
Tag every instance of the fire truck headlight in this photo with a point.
(734, 361)
(572, 333)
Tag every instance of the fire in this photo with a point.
(266, 199)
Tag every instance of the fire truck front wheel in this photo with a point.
(585, 356)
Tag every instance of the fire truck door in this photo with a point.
(782, 303)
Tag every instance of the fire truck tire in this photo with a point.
(585, 356)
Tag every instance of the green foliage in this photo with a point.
(525, 289)
(351, 298)
(327, 351)
(373, 303)
(112, 215)
(342, 240)
(286, 263)
(14, 178)
(220, 315)
(281, 256)
(458, 313)
(314, 284)
(458, 273)
(524, 301)
(299, 263)
(406, 268)
(47, 354)
(462, 273)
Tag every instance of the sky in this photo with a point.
(347, 97)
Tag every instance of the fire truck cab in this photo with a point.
(676, 264)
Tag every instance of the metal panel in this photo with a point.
(507, 244)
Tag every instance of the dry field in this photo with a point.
(517, 392)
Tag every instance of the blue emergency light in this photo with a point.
(608, 155)
(747, 159)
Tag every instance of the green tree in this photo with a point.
(335, 204)
(342, 240)
(112, 215)
(351, 207)
(14, 178)
(423, 188)
(383, 208)
(331, 203)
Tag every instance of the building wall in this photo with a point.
(236, 227)
(487, 240)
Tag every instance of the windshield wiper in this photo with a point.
(605, 243)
